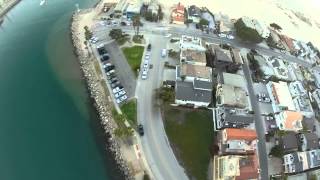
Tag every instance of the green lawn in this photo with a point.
(190, 132)
(129, 109)
(134, 56)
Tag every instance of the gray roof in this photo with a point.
(289, 142)
(194, 11)
(298, 164)
(202, 85)
(314, 158)
(312, 140)
(223, 55)
(231, 117)
(185, 91)
(308, 123)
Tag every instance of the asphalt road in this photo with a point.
(263, 158)
(154, 143)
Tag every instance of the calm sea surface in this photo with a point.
(48, 129)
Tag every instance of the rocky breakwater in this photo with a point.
(99, 97)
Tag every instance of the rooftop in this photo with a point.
(249, 168)
(231, 96)
(289, 142)
(223, 55)
(186, 91)
(236, 56)
(202, 85)
(195, 71)
(191, 55)
(291, 119)
(232, 118)
(282, 94)
(239, 134)
(232, 79)
(194, 11)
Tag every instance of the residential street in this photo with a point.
(154, 143)
(263, 156)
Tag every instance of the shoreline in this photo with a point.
(11, 5)
(103, 110)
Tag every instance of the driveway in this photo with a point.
(123, 69)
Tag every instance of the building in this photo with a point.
(279, 68)
(233, 167)
(189, 72)
(232, 96)
(298, 162)
(237, 141)
(304, 50)
(232, 80)
(296, 89)
(287, 42)
(261, 28)
(280, 96)
(316, 75)
(316, 97)
(309, 124)
(225, 117)
(195, 94)
(229, 59)
(295, 72)
(193, 57)
(308, 141)
(289, 120)
(194, 14)
(177, 15)
(303, 105)
(133, 8)
(289, 142)
(207, 16)
(295, 162)
(191, 43)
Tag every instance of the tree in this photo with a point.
(146, 176)
(247, 33)
(136, 23)
(276, 26)
(160, 13)
(116, 34)
(276, 151)
(203, 22)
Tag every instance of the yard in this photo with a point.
(129, 109)
(190, 132)
(134, 56)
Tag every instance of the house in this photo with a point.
(237, 141)
(232, 96)
(260, 27)
(193, 57)
(229, 59)
(280, 96)
(316, 97)
(296, 89)
(195, 94)
(232, 80)
(189, 72)
(207, 16)
(308, 141)
(265, 67)
(191, 43)
(316, 75)
(279, 68)
(309, 124)
(303, 105)
(233, 167)
(295, 162)
(177, 15)
(194, 14)
(225, 117)
(295, 72)
(314, 158)
(287, 42)
(289, 120)
(289, 142)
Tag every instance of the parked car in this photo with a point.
(145, 64)
(110, 72)
(123, 98)
(163, 53)
(113, 80)
(140, 130)
(105, 57)
(111, 76)
(144, 74)
(115, 84)
(149, 47)
(117, 89)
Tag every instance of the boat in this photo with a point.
(42, 2)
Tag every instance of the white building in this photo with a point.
(316, 97)
(303, 105)
(296, 89)
(190, 42)
(280, 96)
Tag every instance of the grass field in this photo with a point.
(134, 56)
(129, 109)
(190, 133)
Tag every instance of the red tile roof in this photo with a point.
(249, 168)
(240, 134)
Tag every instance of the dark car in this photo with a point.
(102, 50)
(111, 76)
(140, 130)
(105, 57)
(109, 68)
(149, 47)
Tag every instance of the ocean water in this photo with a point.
(48, 128)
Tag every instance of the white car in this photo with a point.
(230, 37)
(110, 72)
(147, 56)
(122, 92)
(144, 74)
(222, 35)
(145, 64)
(118, 101)
(124, 97)
(117, 89)
(163, 53)
(106, 65)
(168, 35)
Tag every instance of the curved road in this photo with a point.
(155, 145)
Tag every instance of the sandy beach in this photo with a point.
(282, 12)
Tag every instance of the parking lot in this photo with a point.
(261, 89)
(122, 68)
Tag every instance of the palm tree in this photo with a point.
(136, 23)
